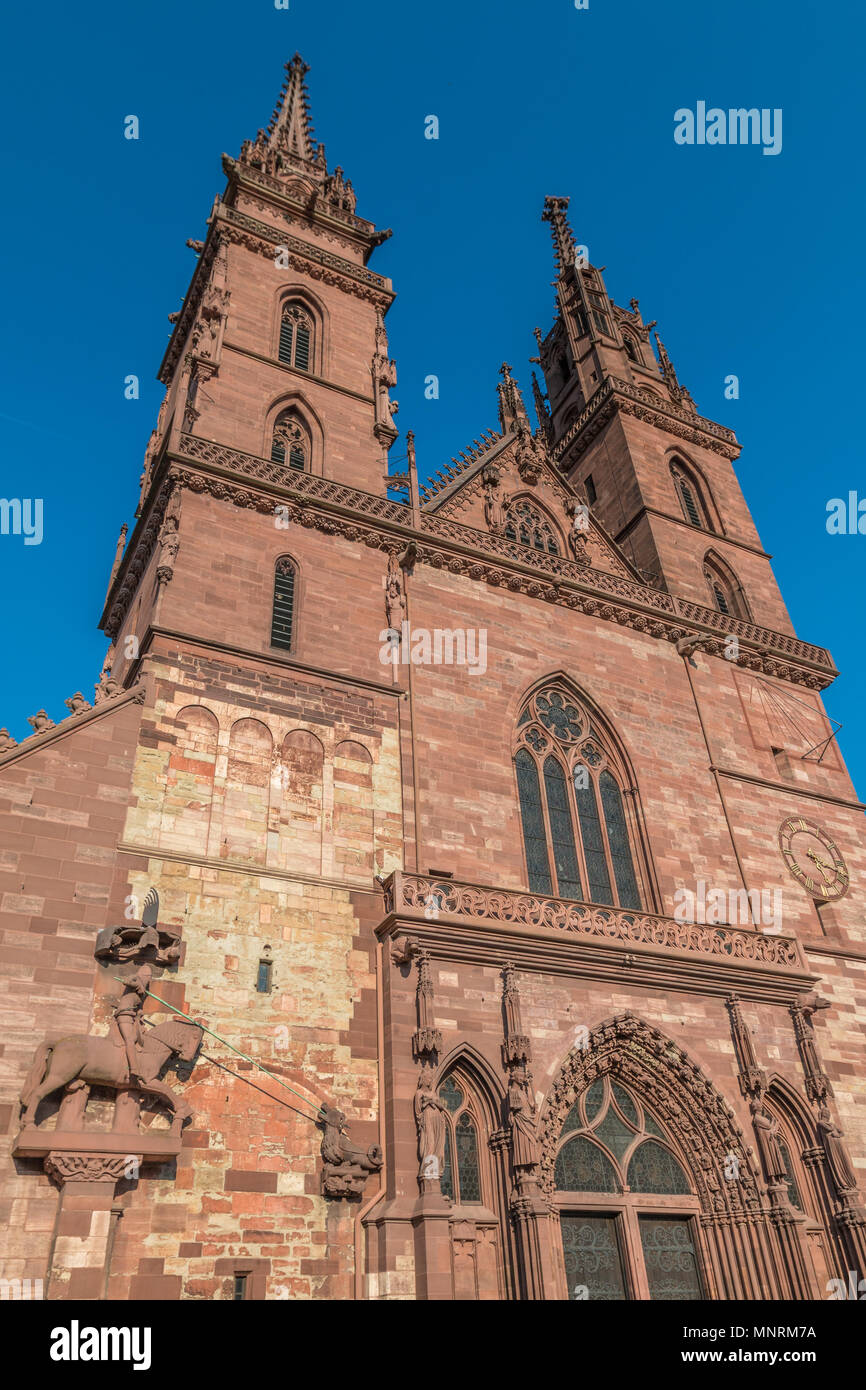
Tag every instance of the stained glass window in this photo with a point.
(446, 1182)
(467, 1160)
(594, 1162)
(669, 1258)
(617, 838)
(593, 844)
(561, 830)
(626, 1104)
(451, 1093)
(575, 831)
(534, 837)
(593, 1263)
(593, 1098)
(791, 1181)
(654, 1169)
(582, 1167)
(461, 1167)
(525, 523)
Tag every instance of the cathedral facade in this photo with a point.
(451, 890)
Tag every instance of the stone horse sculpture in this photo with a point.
(97, 1061)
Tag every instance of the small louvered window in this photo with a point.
(284, 605)
(296, 337)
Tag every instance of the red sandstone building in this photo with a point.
(531, 951)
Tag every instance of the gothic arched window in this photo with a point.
(726, 592)
(291, 442)
(570, 782)
(461, 1170)
(296, 337)
(526, 524)
(283, 615)
(626, 1204)
(630, 347)
(690, 493)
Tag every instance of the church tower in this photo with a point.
(658, 475)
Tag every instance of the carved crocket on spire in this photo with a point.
(564, 245)
(290, 130)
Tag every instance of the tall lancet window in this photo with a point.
(726, 591)
(695, 506)
(296, 337)
(578, 827)
(291, 442)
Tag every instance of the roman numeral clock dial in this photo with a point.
(813, 859)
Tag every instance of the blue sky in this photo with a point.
(752, 264)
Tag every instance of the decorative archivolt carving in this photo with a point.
(699, 1119)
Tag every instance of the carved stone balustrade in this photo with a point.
(471, 921)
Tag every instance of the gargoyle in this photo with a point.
(346, 1167)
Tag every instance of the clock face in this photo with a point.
(813, 859)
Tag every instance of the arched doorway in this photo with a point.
(626, 1206)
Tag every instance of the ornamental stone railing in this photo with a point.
(434, 899)
(308, 484)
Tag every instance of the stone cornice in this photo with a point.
(349, 276)
(614, 395)
(247, 480)
(490, 924)
(271, 659)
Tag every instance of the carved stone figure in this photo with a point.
(346, 1166)
(767, 1135)
(430, 1119)
(127, 1012)
(104, 1062)
(145, 941)
(169, 539)
(522, 1120)
(395, 599)
(495, 501)
(844, 1178)
(578, 534)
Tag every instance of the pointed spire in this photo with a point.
(564, 245)
(512, 411)
(678, 393)
(290, 129)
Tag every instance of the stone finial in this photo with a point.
(76, 704)
(7, 741)
(105, 689)
(40, 722)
